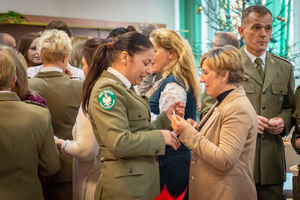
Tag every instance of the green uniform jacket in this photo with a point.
(296, 116)
(27, 148)
(129, 149)
(272, 98)
(63, 98)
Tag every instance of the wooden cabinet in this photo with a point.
(93, 28)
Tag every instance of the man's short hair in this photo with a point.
(59, 25)
(2, 39)
(227, 38)
(261, 10)
(146, 29)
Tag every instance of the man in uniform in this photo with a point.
(269, 84)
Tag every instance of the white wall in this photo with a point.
(149, 11)
(296, 32)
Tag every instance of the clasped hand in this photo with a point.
(274, 126)
(178, 124)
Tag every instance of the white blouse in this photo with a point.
(172, 93)
(86, 158)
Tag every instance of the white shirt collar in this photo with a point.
(51, 69)
(120, 76)
(5, 91)
(252, 57)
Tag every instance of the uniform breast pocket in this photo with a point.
(138, 118)
(137, 114)
(280, 91)
(248, 87)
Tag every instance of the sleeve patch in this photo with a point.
(107, 99)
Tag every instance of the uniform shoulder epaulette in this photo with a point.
(112, 80)
(281, 58)
(35, 103)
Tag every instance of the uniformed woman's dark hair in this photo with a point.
(119, 31)
(106, 54)
(90, 47)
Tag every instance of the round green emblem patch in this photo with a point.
(107, 99)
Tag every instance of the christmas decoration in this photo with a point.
(199, 10)
(225, 15)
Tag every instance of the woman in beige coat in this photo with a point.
(223, 145)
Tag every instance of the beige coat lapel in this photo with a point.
(209, 118)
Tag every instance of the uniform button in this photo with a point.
(156, 152)
(193, 162)
(130, 170)
(263, 107)
(280, 91)
(264, 92)
(192, 177)
(140, 115)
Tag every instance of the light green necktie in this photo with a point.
(259, 68)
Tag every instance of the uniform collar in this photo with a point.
(252, 57)
(120, 76)
(51, 69)
(9, 96)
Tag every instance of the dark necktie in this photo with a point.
(259, 68)
(132, 88)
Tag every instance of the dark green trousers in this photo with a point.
(268, 192)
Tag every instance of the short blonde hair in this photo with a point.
(53, 45)
(7, 66)
(222, 59)
(183, 63)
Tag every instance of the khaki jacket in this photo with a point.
(129, 149)
(272, 98)
(63, 98)
(27, 148)
(296, 116)
(223, 151)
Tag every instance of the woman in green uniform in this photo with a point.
(121, 119)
